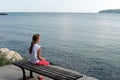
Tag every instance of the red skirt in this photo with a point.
(43, 62)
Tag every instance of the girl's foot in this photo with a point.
(40, 77)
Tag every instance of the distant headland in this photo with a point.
(110, 11)
(3, 14)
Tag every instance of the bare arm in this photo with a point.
(39, 55)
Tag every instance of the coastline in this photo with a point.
(11, 72)
(3, 14)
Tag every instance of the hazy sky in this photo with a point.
(57, 5)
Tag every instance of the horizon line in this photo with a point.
(43, 12)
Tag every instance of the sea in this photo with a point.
(85, 42)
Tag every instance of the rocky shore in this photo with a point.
(11, 72)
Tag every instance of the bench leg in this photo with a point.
(31, 74)
(24, 78)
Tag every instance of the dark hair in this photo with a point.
(34, 39)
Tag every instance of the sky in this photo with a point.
(57, 5)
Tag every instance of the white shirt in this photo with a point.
(33, 55)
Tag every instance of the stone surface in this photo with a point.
(11, 72)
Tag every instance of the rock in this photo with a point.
(3, 50)
(10, 55)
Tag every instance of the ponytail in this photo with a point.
(31, 47)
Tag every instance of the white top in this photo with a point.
(33, 55)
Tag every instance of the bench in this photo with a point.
(48, 71)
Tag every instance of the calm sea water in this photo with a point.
(88, 43)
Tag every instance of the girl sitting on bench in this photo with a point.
(35, 53)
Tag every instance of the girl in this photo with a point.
(35, 53)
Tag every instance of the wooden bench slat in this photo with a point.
(49, 68)
(52, 72)
(58, 70)
(63, 72)
(43, 72)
